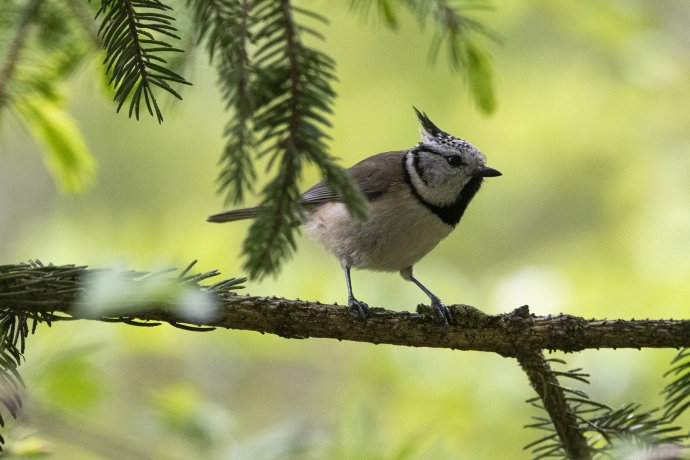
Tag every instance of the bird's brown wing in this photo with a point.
(374, 176)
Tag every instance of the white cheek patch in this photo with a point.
(439, 192)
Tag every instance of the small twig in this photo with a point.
(564, 420)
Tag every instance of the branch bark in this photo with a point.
(507, 334)
(41, 292)
(547, 387)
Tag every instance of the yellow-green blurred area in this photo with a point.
(591, 217)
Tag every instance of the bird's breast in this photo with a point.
(399, 231)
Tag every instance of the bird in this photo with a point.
(415, 199)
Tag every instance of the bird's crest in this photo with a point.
(433, 136)
(429, 128)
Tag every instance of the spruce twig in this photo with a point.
(293, 97)
(125, 32)
(552, 395)
(225, 26)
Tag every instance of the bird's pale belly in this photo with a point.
(399, 232)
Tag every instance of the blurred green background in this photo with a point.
(591, 218)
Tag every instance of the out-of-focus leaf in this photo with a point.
(480, 78)
(72, 381)
(386, 10)
(31, 447)
(183, 411)
(66, 154)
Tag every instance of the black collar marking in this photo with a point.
(451, 213)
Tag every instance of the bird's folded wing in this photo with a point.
(374, 176)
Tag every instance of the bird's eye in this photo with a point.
(455, 161)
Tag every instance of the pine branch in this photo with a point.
(15, 48)
(125, 31)
(599, 430)
(677, 393)
(226, 25)
(572, 442)
(237, 76)
(458, 32)
(37, 292)
(292, 95)
(507, 334)
(48, 293)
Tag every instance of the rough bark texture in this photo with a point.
(546, 385)
(508, 334)
(42, 292)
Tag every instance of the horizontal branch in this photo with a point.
(53, 293)
(505, 334)
(39, 291)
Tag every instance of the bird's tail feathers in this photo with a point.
(236, 214)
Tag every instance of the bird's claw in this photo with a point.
(361, 307)
(443, 315)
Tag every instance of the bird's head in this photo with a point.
(441, 165)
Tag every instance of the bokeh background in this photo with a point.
(591, 218)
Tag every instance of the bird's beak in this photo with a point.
(485, 171)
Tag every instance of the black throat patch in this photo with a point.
(452, 213)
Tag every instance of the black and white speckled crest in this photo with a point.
(432, 137)
(443, 186)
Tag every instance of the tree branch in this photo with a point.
(50, 293)
(507, 334)
(550, 392)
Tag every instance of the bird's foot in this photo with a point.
(361, 307)
(443, 315)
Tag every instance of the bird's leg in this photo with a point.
(361, 307)
(443, 314)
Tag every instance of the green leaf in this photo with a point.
(66, 155)
(480, 78)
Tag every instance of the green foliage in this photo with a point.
(678, 392)
(131, 39)
(26, 287)
(226, 27)
(39, 104)
(385, 10)
(13, 330)
(67, 156)
(291, 97)
(31, 87)
(278, 89)
(70, 380)
(459, 32)
(605, 428)
(480, 78)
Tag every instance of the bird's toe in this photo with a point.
(443, 315)
(361, 307)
